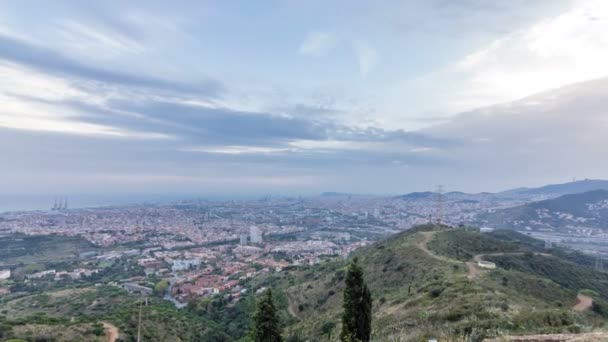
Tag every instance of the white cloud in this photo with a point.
(367, 56)
(567, 48)
(234, 149)
(317, 44)
(94, 42)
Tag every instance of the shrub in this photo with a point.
(436, 292)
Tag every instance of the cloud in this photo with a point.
(100, 100)
(49, 61)
(96, 43)
(317, 44)
(548, 137)
(559, 50)
(367, 56)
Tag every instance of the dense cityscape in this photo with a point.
(203, 248)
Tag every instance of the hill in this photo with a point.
(425, 283)
(568, 212)
(555, 190)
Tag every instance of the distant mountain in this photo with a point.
(555, 190)
(332, 194)
(418, 195)
(568, 212)
(335, 194)
(453, 196)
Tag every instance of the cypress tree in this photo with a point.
(266, 322)
(357, 316)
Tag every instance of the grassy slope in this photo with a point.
(22, 249)
(62, 309)
(417, 295)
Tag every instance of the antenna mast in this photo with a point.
(440, 204)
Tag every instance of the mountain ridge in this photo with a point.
(571, 212)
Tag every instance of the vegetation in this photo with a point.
(357, 316)
(423, 294)
(266, 322)
(563, 272)
(464, 245)
(19, 249)
(421, 286)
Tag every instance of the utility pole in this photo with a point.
(139, 322)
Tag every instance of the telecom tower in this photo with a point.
(439, 214)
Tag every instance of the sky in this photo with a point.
(242, 98)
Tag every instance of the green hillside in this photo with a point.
(422, 288)
(424, 283)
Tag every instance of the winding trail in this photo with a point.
(427, 236)
(473, 271)
(111, 331)
(583, 302)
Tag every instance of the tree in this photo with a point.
(161, 287)
(266, 322)
(357, 316)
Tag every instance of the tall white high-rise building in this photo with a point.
(255, 234)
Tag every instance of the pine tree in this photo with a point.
(357, 316)
(266, 322)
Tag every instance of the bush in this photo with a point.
(436, 292)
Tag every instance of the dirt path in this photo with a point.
(291, 307)
(427, 236)
(586, 337)
(583, 303)
(472, 270)
(111, 332)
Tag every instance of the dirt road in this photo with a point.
(583, 303)
(111, 332)
(473, 270)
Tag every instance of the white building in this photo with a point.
(255, 234)
(486, 230)
(486, 264)
(5, 274)
(184, 265)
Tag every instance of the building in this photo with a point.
(184, 265)
(255, 234)
(243, 239)
(5, 274)
(487, 265)
(486, 230)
